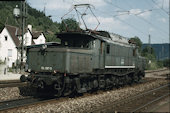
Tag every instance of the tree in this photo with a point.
(148, 50)
(138, 42)
(149, 53)
(69, 24)
(51, 38)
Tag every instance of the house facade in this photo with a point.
(8, 50)
(38, 37)
(11, 38)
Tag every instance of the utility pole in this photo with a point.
(149, 47)
(169, 30)
(162, 51)
(23, 28)
(149, 42)
(21, 15)
(44, 8)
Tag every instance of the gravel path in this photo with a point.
(86, 103)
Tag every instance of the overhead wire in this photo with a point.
(160, 7)
(110, 3)
(151, 24)
(156, 9)
(132, 26)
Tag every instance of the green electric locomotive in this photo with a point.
(82, 62)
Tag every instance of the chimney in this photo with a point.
(30, 27)
(16, 32)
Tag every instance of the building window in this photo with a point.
(9, 52)
(6, 38)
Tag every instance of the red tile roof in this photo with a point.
(35, 35)
(13, 32)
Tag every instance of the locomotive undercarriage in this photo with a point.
(66, 84)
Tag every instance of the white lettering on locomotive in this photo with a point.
(46, 68)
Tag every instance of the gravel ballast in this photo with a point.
(87, 103)
(9, 93)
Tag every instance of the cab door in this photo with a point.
(102, 55)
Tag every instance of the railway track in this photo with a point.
(158, 70)
(13, 105)
(19, 103)
(160, 73)
(12, 83)
(25, 102)
(137, 103)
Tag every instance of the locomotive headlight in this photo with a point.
(55, 71)
(29, 70)
(44, 46)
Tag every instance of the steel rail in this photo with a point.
(128, 98)
(152, 71)
(13, 104)
(8, 81)
(150, 102)
(15, 84)
(151, 91)
(7, 104)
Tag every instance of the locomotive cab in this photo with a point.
(72, 55)
(76, 41)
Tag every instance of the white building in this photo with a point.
(10, 38)
(38, 37)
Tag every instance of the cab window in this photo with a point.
(108, 49)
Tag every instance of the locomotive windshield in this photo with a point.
(76, 40)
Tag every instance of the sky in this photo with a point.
(127, 18)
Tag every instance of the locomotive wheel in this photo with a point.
(108, 83)
(102, 83)
(130, 79)
(69, 90)
(136, 79)
(41, 85)
(58, 88)
(117, 82)
(95, 84)
(69, 86)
